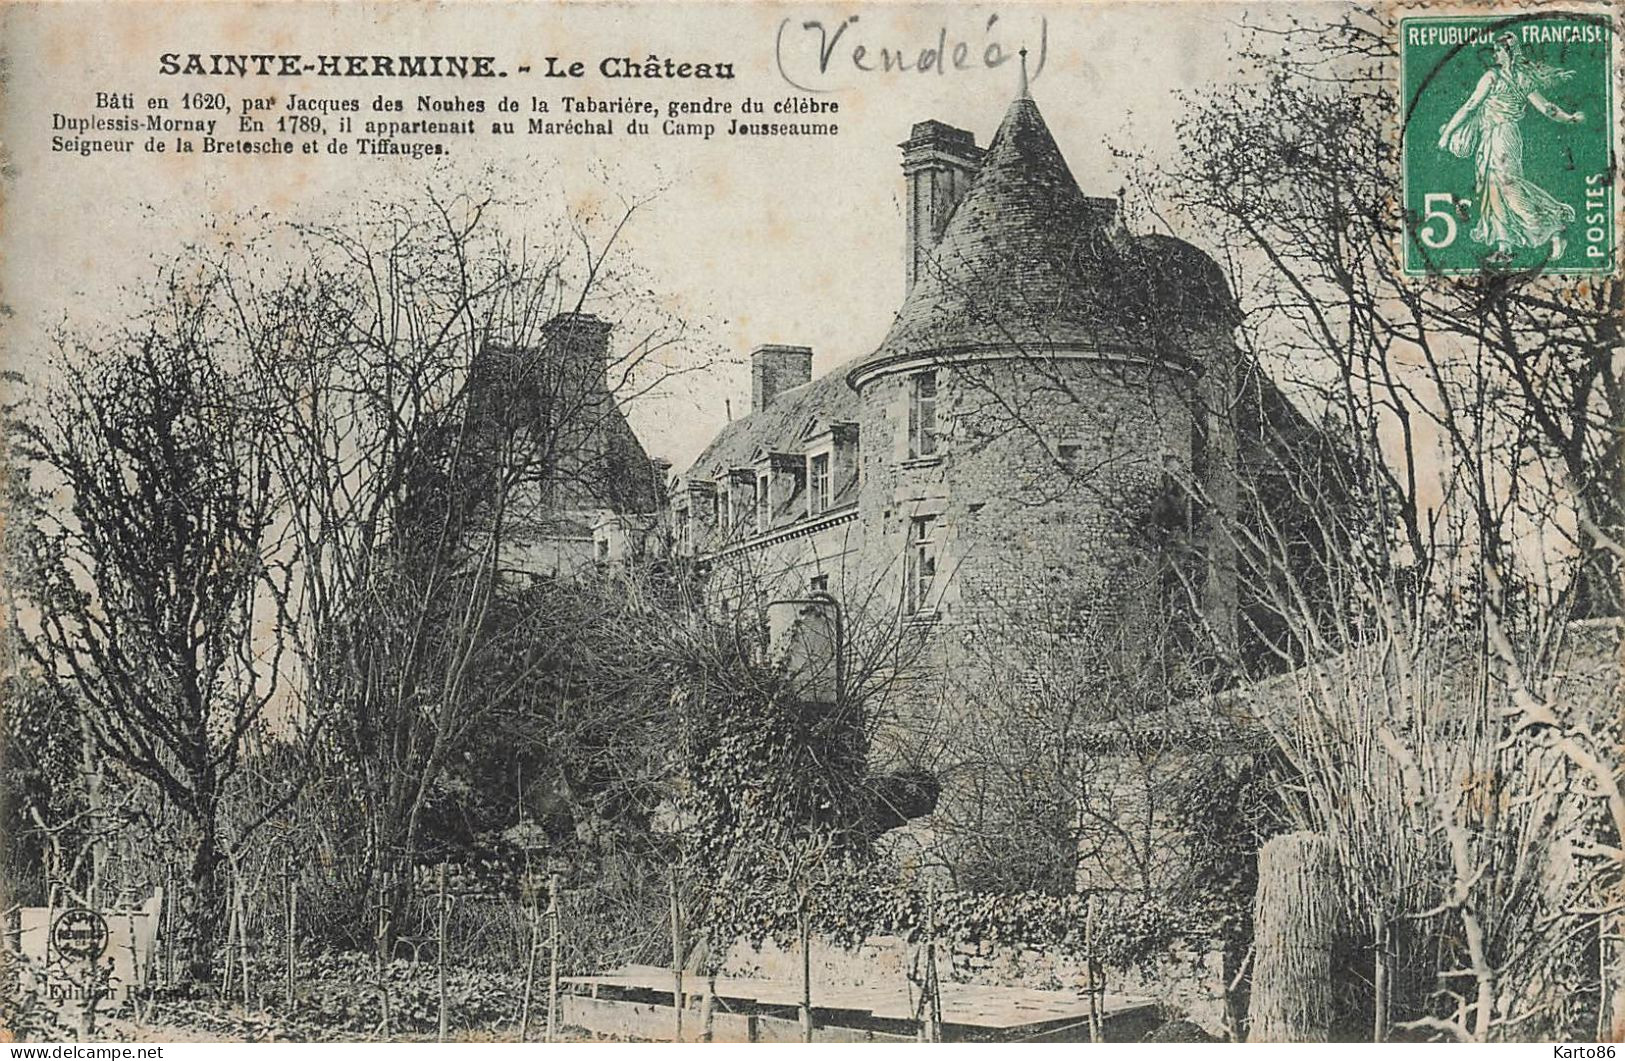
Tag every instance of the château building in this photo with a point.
(1014, 465)
(581, 490)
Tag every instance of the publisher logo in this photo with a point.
(79, 933)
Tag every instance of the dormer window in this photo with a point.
(830, 469)
(820, 484)
(739, 503)
(762, 510)
(922, 415)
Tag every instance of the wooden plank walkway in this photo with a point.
(643, 996)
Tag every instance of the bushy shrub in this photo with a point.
(340, 990)
(1130, 929)
(24, 1015)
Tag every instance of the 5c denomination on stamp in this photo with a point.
(1507, 143)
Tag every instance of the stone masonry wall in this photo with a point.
(1044, 479)
(743, 578)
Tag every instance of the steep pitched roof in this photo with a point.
(794, 416)
(1028, 261)
(1025, 258)
(558, 389)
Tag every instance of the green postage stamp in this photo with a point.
(1507, 143)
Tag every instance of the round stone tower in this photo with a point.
(1032, 429)
(1040, 395)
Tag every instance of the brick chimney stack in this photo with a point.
(774, 370)
(939, 163)
(578, 344)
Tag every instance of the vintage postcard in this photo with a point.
(779, 522)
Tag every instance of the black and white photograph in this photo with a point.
(649, 521)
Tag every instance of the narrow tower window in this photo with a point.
(922, 414)
(922, 563)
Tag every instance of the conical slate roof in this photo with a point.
(1027, 264)
(1026, 261)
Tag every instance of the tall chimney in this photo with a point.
(774, 370)
(508, 385)
(939, 163)
(578, 344)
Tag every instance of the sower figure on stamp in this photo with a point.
(1513, 211)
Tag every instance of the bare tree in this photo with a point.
(146, 579)
(1435, 699)
(446, 423)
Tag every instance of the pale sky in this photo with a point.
(755, 240)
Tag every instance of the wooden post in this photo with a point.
(1292, 938)
(530, 971)
(806, 971)
(137, 974)
(1608, 984)
(378, 948)
(231, 936)
(166, 931)
(231, 940)
(440, 949)
(50, 916)
(930, 1000)
(676, 958)
(1611, 978)
(242, 940)
(1089, 963)
(936, 979)
(288, 949)
(1379, 982)
(553, 914)
(240, 924)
